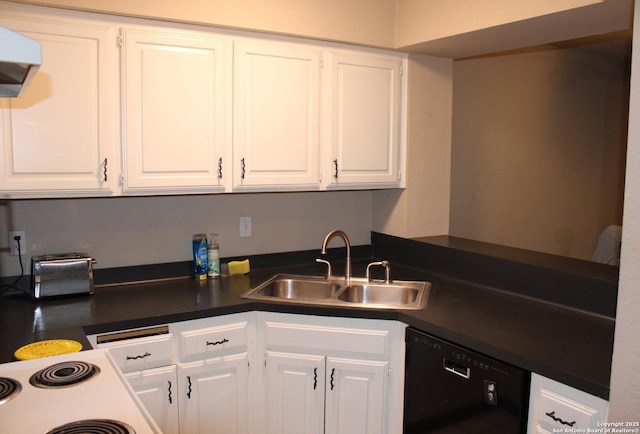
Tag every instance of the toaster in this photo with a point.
(61, 274)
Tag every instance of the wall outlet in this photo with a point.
(245, 227)
(13, 243)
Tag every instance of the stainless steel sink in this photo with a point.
(298, 288)
(391, 294)
(337, 291)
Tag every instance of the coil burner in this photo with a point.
(64, 374)
(8, 389)
(93, 426)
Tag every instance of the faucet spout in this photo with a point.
(341, 234)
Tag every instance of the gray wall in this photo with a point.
(538, 149)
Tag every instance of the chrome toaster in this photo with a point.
(61, 274)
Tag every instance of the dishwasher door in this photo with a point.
(449, 389)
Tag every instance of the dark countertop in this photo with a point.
(570, 345)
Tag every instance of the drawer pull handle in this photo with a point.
(189, 387)
(552, 415)
(170, 397)
(333, 371)
(138, 357)
(224, 341)
(315, 378)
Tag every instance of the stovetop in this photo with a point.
(74, 393)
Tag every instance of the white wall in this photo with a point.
(148, 230)
(477, 15)
(368, 22)
(422, 209)
(538, 149)
(625, 381)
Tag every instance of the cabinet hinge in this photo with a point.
(121, 180)
(119, 39)
(401, 70)
(321, 62)
(265, 360)
(399, 175)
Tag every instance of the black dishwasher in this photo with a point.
(450, 389)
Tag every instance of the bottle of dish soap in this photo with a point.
(200, 256)
(213, 256)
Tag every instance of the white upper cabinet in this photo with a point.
(364, 119)
(125, 106)
(58, 138)
(276, 123)
(176, 110)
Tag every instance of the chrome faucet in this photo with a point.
(384, 264)
(341, 234)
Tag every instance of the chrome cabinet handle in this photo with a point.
(138, 357)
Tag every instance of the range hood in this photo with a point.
(20, 58)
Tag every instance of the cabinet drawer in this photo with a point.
(214, 341)
(561, 412)
(337, 340)
(557, 406)
(143, 353)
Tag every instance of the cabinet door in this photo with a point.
(356, 391)
(176, 102)
(295, 393)
(276, 124)
(157, 389)
(214, 395)
(365, 125)
(56, 140)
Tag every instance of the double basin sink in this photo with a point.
(337, 291)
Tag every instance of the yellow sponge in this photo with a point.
(239, 267)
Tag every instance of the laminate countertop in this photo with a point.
(569, 344)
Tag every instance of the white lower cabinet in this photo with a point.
(556, 407)
(193, 380)
(158, 390)
(215, 395)
(356, 396)
(294, 396)
(263, 372)
(331, 375)
(310, 393)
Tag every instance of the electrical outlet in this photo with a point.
(245, 227)
(13, 243)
